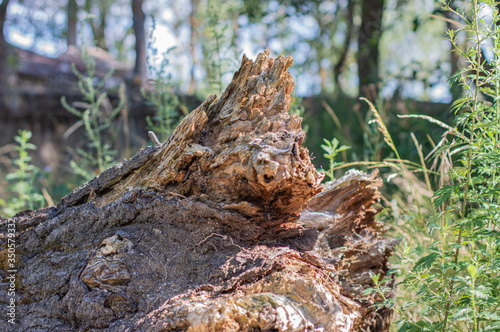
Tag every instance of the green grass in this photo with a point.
(447, 206)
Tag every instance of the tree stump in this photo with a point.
(223, 227)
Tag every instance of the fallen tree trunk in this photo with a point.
(220, 228)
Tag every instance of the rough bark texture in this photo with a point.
(220, 228)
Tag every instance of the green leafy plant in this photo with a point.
(455, 282)
(22, 179)
(332, 149)
(97, 114)
(218, 45)
(166, 105)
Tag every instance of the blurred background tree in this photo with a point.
(339, 46)
(3, 44)
(391, 51)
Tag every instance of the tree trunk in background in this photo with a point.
(320, 51)
(455, 88)
(3, 44)
(4, 55)
(223, 227)
(369, 36)
(99, 28)
(193, 24)
(139, 19)
(72, 22)
(3, 15)
(98, 25)
(337, 70)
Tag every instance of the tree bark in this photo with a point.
(223, 227)
(72, 22)
(139, 19)
(3, 15)
(7, 64)
(3, 44)
(193, 25)
(369, 36)
(99, 24)
(337, 70)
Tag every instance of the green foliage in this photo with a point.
(332, 149)
(450, 281)
(97, 115)
(381, 287)
(166, 104)
(22, 180)
(219, 43)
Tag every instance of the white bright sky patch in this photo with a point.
(163, 39)
(405, 55)
(440, 92)
(21, 40)
(47, 47)
(166, 15)
(306, 26)
(15, 8)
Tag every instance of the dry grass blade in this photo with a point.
(381, 126)
(449, 129)
(422, 161)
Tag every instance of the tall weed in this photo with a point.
(96, 115)
(21, 182)
(450, 281)
(218, 45)
(161, 94)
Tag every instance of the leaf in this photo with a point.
(425, 262)
(472, 271)
(368, 291)
(461, 315)
(464, 300)
(482, 292)
(30, 146)
(443, 195)
(489, 315)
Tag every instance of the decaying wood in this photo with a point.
(220, 228)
